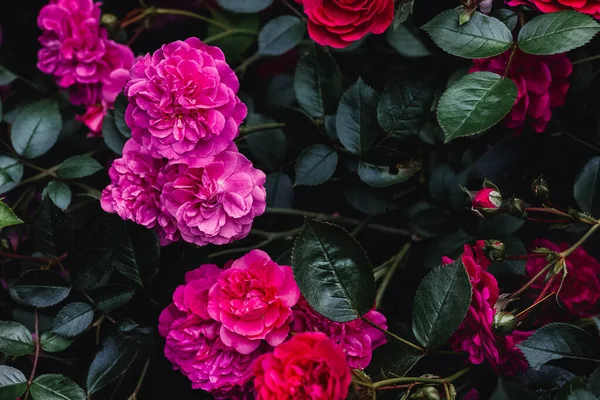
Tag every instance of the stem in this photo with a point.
(243, 66)
(583, 142)
(407, 379)
(270, 237)
(512, 54)
(140, 381)
(42, 175)
(339, 219)
(172, 11)
(259, 128)
(550, 221)
(41, 260)
(390, 272)
(393, 335)
(531, 281)
(549, 211)
(525, 256)
(585, 237)
(227, 33)
(535, 304)
(294, 10)
(583, 60)
(37, 352)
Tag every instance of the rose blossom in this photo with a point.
(338, 23)
(542, 82)
(253, 300)
(580, 289)
(308, 366)
(192, 339)
(485, 201)
(214, 204)
(591, 7)
(357, 338)
(183, 103)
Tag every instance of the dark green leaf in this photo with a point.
(333, 272)
(406, 41)
(511, 391)
(393, 360)
(13, 168)
(440, 182)
(356, 120)
(430, 222)
(441, 303)
(56, 387)
(377, 176)
(593, 383)
(246, 6)
(233, 46)
(119, 115)
(36, 128)
(39, 288)
(481, 37)
(91, 268)
(78, 167)
(73, 319)
(52, 230)
(113, 296)
(316, 165)
(110, 133)
(557, 32)
(59, 193)
(280, 35)
(475, 103)
(111, 362)
(7, 216)
(450, 245)
(5, 177)
(403, 107)
(508, 17)
(280, 190)
(12, 383)
(557, 340)
(318, 83)
(587, 187)
(6, 77)
(53, 343)
(367, 200)
(500, 225)
(15, 339)
(268, 146)
(581, 394)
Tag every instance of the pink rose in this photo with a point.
(308, 366)
(253, 300)
(486, 200)
(183, 101)
(591, 7)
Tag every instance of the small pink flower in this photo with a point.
(253, 300)
(486, 200)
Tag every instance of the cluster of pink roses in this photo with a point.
(181, 173)
(77, 51)
(223, 324)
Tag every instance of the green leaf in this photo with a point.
(36, 128)
(53, 343)
(91, 268)
(556, 341)
(12, 383)
(111, 362)
(378, 176)
(112, 296)
(7, 216)
(280, 35)
(393, 360)
(267, 146)
(440, 182)
(333, 272)
(39, 288)
(475, 103)
(316, 165)
(6, 77)
(449, 245)
(52, 230)
(246, 6)
(403, 107)
(510, 391)
(5, 177)
(13, 168)
(15, 339)
(557, 32)
(500, 225)
(318, 83)
(481, 37)
(280, 190)
(593, 383)
(581, 394)
(119, 115)
(59, 193)
(135, 250)
(56, 387)
(78, 167)
(113, 138)
(587, 187)
(356, 120)
(441, 303)
(406, 41)
(73, 319)
(233, 45)
(508, 17)
(367, 200)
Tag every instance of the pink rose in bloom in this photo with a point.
(133, 193)
(216, 203)
(580, 290)
(357, 338)
(253, 299)
(192, 339)
(591, 7)
(542, 82)
(183, 102)
(308, 366)
(339, 23)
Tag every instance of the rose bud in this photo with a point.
(505, 322)
(486, 202)
(540, 189)
(516, 208)
(494, 250)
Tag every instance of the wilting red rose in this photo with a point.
(591, 7)
(338, 23)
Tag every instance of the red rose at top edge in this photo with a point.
(338, 23)
(591, 7)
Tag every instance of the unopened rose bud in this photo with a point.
(494, 250)
(540, 189)
(486, 202)
(426, 393)
(109, 20)
(516, 207)
(505, 322)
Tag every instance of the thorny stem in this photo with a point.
(140, 381)
(37, 352)
(41, 260)
(406, 379)
(397, 259)
(392, 335)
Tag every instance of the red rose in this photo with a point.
(338, 23)
(309, 366)
(591, 7)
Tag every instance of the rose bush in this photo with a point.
(310, 199)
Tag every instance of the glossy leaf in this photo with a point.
(12, 383)
(7, 216)
(406, 41)
(316, 165)
(587, 187)
(280, 190)
(119, 115)
(39, 288)
(113, 138)
(59, 193)
(36, 128)
(356, 120)
(91, 268)
(73, 319)
(378, 176)
(15, 339)
(14, 169)
(508, 17)
(53, 343)
(78, 167)
(246, 6)
(280, 35)
(112, 296)
(111, 362)
(52, 230)
(56, 387)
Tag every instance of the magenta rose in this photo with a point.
(486, 201)
(216, 203)
(308, 366)
(339, 23)
(591, 7)
(183, 102)
(253, 299)
(357, 338)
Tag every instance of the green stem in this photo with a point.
(585, 237)
(390, 272)
(259, 128)
(241, 69)
(584, 60)
(42, 175)
(392, 335)
(140, 381)
(270, 237)
(172, 11)
(227, 33)
(407, 379)
(37, 352)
